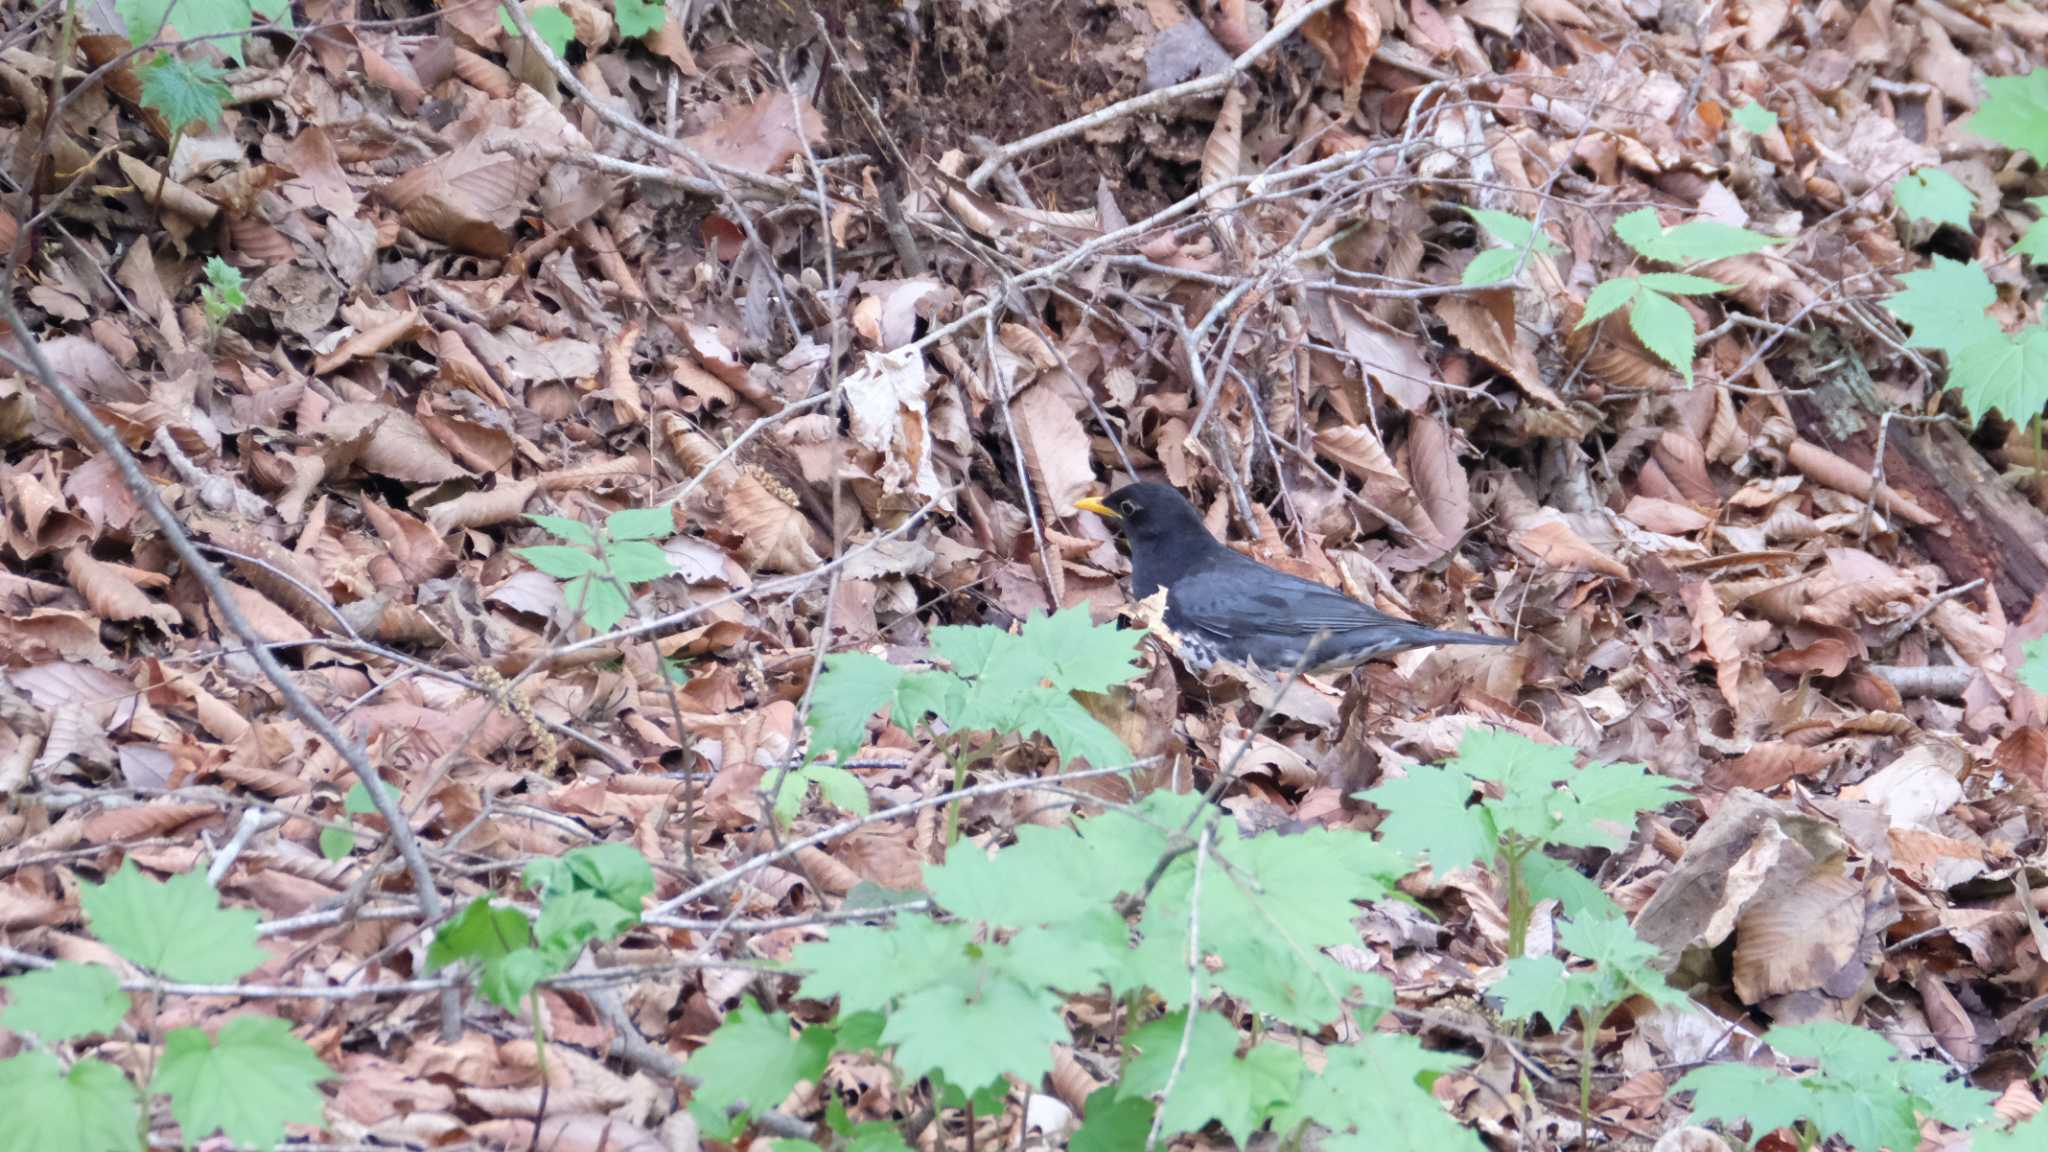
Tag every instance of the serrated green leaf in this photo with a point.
(2005, 374)
(616, 872)
(184, 92)
(1083, 656)
(1666, 329)
(215, 20)
(551, 23)
(64, 1002)
(2030, 1135)
(850, 690)
(2034, 243)
(1731, 1093)
(176, 929)
(1505, 227)
(978, 1034)
(1074, 731)
(2014, 112)
(1944, 306)
(867, 968)
(641, 523)
(1374, 1096)
(840, 788)
(1606, 298)
(969, 650)
(1429, 814)
(1214, 1083)
(481, 933)
(1609, 797)
(1754, 118)
(574, 531)
(2034, 664)
(749, 1066)
(598, 601)
(92, 1108)
(249, 1083)
(1681, 284)
(1491, 265)
(1930, 194)
(637, 561)
(1113, 1123)
(1692, 242)
(560, 560)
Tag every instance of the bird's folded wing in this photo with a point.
(1256, 601)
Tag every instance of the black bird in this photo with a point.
(1223, 605)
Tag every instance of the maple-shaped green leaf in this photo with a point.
(1429, 813)
(1539, 987)
(1944, 306)
(91, 1108)
(1607, 798)
(1665, 328)
(1113, 1123)
(1080, 655)
(176, 929)
(749, 1065)
(639, 18)
(850, 690)
(2029, 1135)
(1373, 1094)
(1744, 1094)
(184, 92)
(868, 968)
(2005, 374)
(2034, 243)
(2034, 664)
(1215, 1083)
(64, 1001)
(1932, 195)
(1754, 118)
(217, 21)
(977, 1034)
(2014, 112)
(1074, 731)
(641, 523)
(1620, 968)
(249, 1083)
(1693, 242)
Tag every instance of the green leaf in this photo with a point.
(749, 1066)
(222, 293)
(2034, 244)
(1074, 731)
(2014, 112)
(868, 968)
(1692, 242)
(217, 20)
(1608, 798)
(969, 650)
(599, 601)
(851, 689)
(617, 872)
(1944, 305)
(64, 1002)
(1214, 1083)
(1738, 1094)
(177, 929)
(1082, 656)
(553, 25)
(637, 561)
(1491, 265)
(639, 18)
(1505, 227)
(1666, 329)
(251, 1082)
(641, 523)
(560, 561)
(92, 1108)
(1539, 986)
(1374, 1096)
(569, 920)
(2034, 664)
(357, 801)
(1930, 194)
(1754, 118)
(1429, 814)
(2029, 1135)
(977, 1034)
(183, 92)
(574, 531)
(1605, 298)
(481, 934)
(1681, 284)
(1113, 1123)
(2007, 374)
(336, 843)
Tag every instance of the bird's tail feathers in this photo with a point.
(1423, 637)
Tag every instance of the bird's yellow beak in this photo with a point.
(1091, 504)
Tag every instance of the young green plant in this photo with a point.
(598, 567)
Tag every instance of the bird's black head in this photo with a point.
(1156, 519)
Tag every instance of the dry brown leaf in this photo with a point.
(763, 136)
